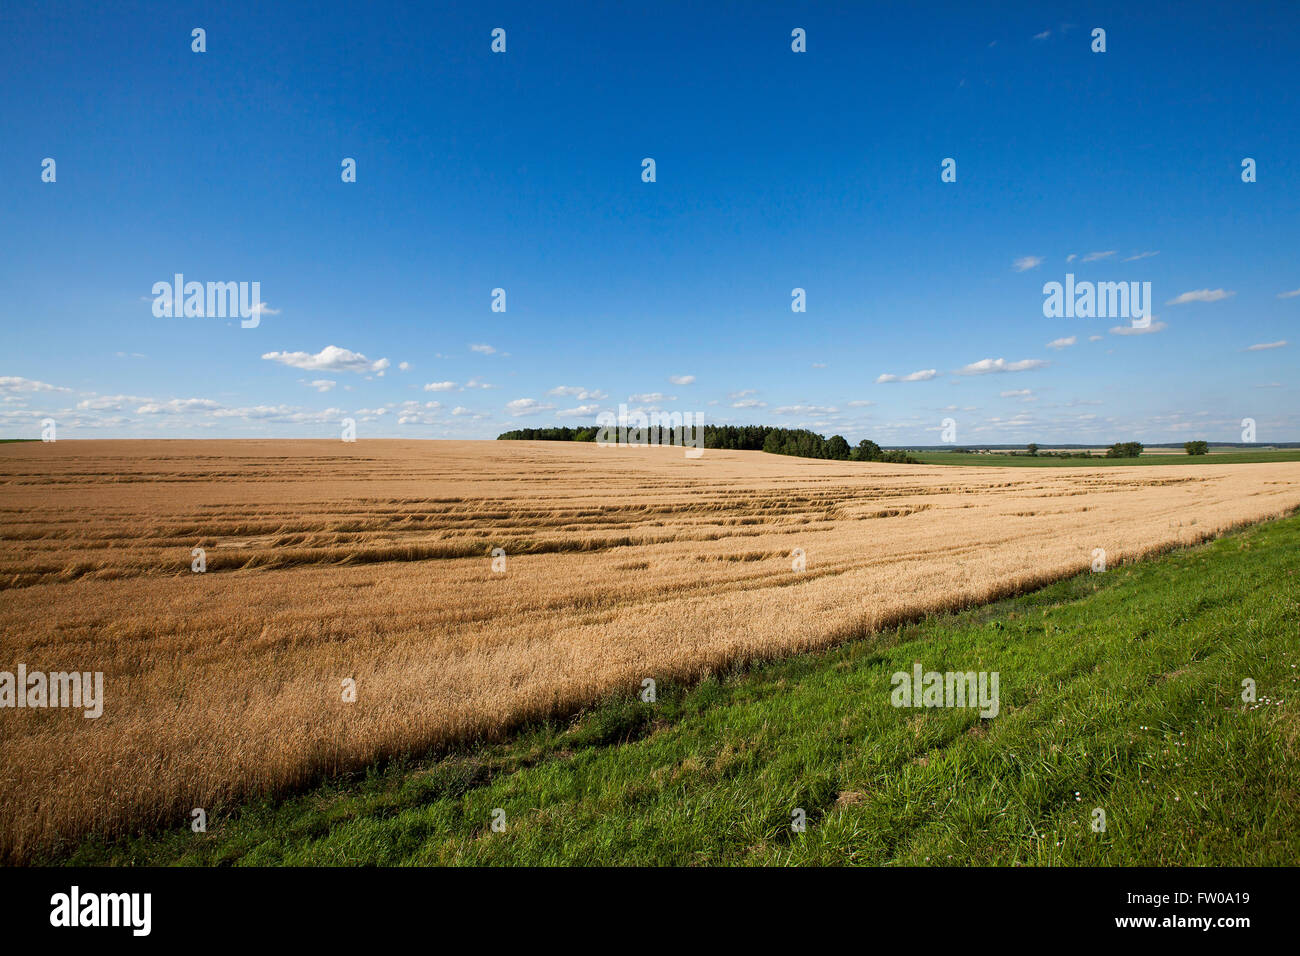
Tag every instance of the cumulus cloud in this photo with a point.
(15, 383)
(652, 397)
(321, 384)
(104, 403)
(179, 405)
(483, 349)
(999, 365)
(924, 375)
(682, 379)
(526, 406)
(1200, 295)
(440, 387)
(805, 410)
(1063, 343)
(1130, 330)
(329, 359)
(581, 394)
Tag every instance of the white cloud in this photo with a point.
(279, 413)
(805, 410)
(321, 384)
(1095, 338)
(581, 394)
(1142, 255)
(924, 375)
(1063, 343)
(581, 411)
(1200, 295)
(859, 403)
(1130, 330)
(1098, 256)
(1025, 263)
(526, 406)
(749, 403)
(1289, 295)
(483, 349)
(652, 397)
(404, 366)
(1043, 36)
(416, 413)
(178, 406)
(329, 359)
(15, 383)
(440, 387)
(682, 379)
(1264, 346)
(998, 365)
(110, 402)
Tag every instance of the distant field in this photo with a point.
(1120, 691)
(1155, 457)
(371, 561)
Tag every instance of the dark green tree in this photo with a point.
(837, 447)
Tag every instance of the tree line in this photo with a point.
(776, 441)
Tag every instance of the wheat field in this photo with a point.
(372, 561)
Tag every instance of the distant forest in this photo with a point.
(777, 441)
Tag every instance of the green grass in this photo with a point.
(1119, 690)
(1046, 461)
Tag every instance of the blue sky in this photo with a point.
(774, 170)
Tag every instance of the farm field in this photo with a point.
(371, 561)
(1121, 692)
(1155, 456)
